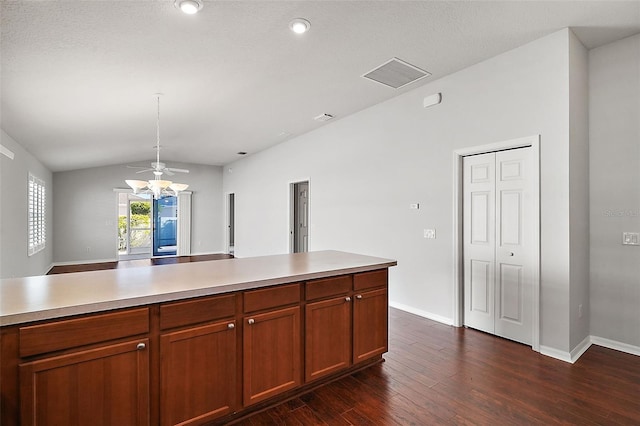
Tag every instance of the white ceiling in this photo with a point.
(78, 77)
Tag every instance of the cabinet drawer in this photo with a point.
(38, 339)
(271, 297)
(328, 287)
(196, 311)
(371, 279)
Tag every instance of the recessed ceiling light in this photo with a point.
(299, 25)
(189, 7)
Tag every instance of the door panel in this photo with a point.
(479, 241)
(514, 251)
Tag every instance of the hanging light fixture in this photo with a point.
(157, 186)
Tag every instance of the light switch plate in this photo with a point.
(414, 206)
(430, 233)
(631, 238)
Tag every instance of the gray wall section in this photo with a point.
(366, 169)
(614, 86)
(85, 210)
(579, 184)
(14, 177)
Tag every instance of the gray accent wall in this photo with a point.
(85, 210)
(614, 126)
(14, 178)
(578, 313)
(366, 169)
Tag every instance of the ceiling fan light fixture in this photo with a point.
(137, 185)
(190, 7)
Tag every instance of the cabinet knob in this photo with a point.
(141, 346)
(231, 326)
(251, 321)
(358, 296)
(347, 299)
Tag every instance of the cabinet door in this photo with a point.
(370, 324)
(327, 337)
(271, 346)
(197, 379)
(103, 386)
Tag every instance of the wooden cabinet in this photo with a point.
(204, 360)
(370, 315)
(370, 324)
(197, 363)
(197, 378)
(327, 337)
(271, 354)
(108, 385)
(346, 329)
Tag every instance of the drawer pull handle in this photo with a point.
(251, 321)
(347, 299)
(359, 296)
(141, 346)
(231, 326)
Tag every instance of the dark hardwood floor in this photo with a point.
(435, 374)
(135, 263)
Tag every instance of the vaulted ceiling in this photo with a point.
(78, 77)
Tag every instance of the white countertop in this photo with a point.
(37, 298)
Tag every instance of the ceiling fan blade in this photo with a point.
(144, 171)
(137, 167)
(177, 170)
(168, 172)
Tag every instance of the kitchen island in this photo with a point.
(198, 343)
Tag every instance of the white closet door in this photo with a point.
(479, 241)
(499, 243)
(514, 245)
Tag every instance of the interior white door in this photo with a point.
(499, 243)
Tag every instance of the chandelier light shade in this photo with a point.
(158, 186)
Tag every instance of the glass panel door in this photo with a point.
(165, 226)
(139, 237)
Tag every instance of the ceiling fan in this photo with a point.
(157, 186)
(157, 167)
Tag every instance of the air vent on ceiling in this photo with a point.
(396, 73)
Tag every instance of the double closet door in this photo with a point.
(499, 243)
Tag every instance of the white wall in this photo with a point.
(85, 217)
(579, 183)
(614, 98)
(365, 170)
(14, 178)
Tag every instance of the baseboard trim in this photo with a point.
(618, 346)
(421, 313)
(581, 348)
(82, 262)
(556, 353)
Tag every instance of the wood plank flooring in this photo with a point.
(440, 375)
(135, 263)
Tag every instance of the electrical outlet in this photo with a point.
(580, 311)
(631, 238)
(430, 233)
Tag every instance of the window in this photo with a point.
(37, 213)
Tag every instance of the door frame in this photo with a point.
(228, 222)
(292, 218)
(458, 272)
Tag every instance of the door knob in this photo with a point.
(511, 254)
